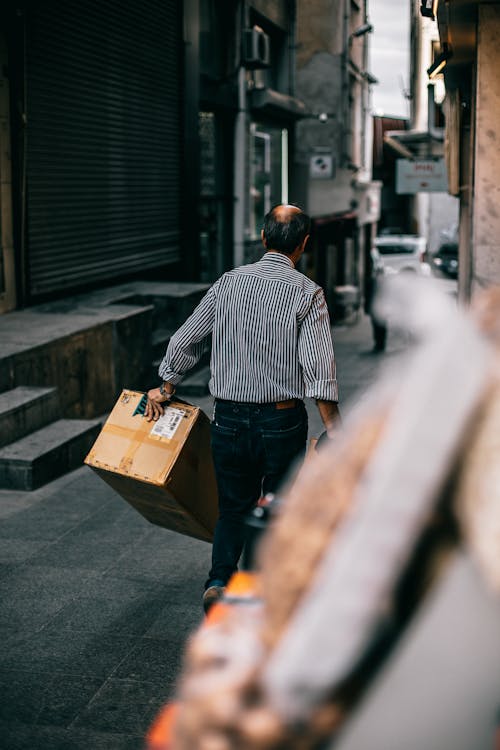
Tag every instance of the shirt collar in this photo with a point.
(278, 258)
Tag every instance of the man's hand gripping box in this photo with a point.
(163, 468)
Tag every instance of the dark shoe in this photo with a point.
(212, 595)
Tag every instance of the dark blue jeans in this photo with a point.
(253, 447)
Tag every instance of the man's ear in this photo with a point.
(304, 242)
(263, 238)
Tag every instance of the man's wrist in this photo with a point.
(166, 389)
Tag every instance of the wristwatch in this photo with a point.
(163, 392)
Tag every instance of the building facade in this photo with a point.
(247, 115)
(92, 123)
(468, 55)
(333, 165)
(395, 215)
(139, 140)
(148, 140)
(434, 214)
(419, 149)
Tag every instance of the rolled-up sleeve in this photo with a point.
(315, 352)
(188, 343)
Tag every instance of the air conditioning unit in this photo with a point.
(256, 48)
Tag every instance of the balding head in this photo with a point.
(284, 212)
(285, 228)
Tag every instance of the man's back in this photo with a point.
(259, 309)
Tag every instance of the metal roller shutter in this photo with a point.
(104, 140)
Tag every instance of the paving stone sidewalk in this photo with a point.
(96, 603)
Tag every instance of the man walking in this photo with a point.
(271, 347)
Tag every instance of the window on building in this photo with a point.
(217, 40)
(276, 76)
(268, 170)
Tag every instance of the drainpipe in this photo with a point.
(240, 150)
(292, 44)
(345, 156)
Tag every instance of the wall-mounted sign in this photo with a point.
(421, 176)
(321, 167)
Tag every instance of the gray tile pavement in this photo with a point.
(96, 603)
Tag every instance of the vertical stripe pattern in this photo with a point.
(271, 337)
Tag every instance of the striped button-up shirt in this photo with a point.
(271, 337)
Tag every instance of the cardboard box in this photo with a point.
(163, 468)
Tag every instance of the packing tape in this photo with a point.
(136, 438)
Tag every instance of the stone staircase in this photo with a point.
(172, 303)
(63, 364)
(194, 384)
(37, 444)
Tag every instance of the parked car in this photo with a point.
(400, 253)
(446, 259)
(390, 231)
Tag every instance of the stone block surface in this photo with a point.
(87, 353)
(25, 409)
(122, 706)
(47, 453)
(161, 339)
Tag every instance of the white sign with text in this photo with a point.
(421, 176)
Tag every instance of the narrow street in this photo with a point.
(149, 154)
(98, 603)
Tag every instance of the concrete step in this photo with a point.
(202, 364)
(195, 384)
(173, 301)
(160, 339)
(47, 453)
(25, 409)
(88, 353)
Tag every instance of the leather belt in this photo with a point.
(289, 404)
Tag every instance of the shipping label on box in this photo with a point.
(166, 425)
